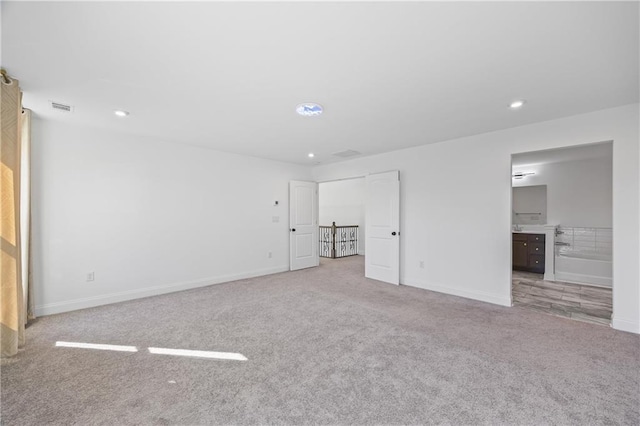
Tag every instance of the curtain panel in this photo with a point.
(12, 307)
(25, 215)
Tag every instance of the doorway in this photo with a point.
(371, 205)
(562, 232)
(342, 203)
(341, 214)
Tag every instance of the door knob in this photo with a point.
(393, 233)
(293, 229)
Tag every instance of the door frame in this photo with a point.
(550, 236)
(364, 176)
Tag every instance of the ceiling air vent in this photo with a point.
(347, 153)
(61, 107)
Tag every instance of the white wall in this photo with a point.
(456, 205)
(579, 193)
(342, 202)
(148, 216)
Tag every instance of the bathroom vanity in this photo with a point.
(524, 257)
(528, 252)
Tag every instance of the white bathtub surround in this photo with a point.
(584, 269)
(589, 242)
(549, 232)
(587, 259)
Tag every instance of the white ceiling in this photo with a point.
(391, 75)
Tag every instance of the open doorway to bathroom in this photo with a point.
(341, 216)
(562, 234)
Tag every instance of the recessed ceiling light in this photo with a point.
(309, 109)
(121, 113)
(311, 155)
(517, 104)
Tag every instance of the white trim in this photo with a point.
(625, 325)
(584, 279)
(495, 299)
(105, 299)
(339, 180)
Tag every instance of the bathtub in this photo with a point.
(584, 268)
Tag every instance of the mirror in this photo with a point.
(529, 205)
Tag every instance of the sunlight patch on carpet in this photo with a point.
(199, 354)
(96, 346)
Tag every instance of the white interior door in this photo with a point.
(303, 225)
(382, 221)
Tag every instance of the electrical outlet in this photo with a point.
(422, 264)
(91, 276)
(270, 255)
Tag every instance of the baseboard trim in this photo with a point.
(475, 295)
(106, 299)
(625, 325)
(584, 279)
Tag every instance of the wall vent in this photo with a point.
(347, 153)
(61, 107)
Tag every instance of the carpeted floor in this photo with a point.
(324, 346)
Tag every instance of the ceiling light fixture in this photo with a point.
(61, 107)
(517, 104)
(311, 155)
(121, 113)
(520, 175)
(309, 109)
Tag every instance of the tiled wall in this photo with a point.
(597, 241)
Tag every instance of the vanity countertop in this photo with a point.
(533, 229)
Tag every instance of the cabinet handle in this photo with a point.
(524, 244)
(536, 248)
(537, 261)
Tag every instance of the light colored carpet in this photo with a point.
(324, 346)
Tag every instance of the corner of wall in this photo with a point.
(625, 325)
(496, 299)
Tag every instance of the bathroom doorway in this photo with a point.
(562, 232)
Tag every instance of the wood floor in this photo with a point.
(575, 301)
